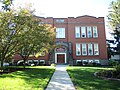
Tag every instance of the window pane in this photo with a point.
(84, 50)
(83, 30)
(60, 32)
(96, 49)
(78, 52)
(95, 32)
(90, 49)
(77, 32)
(89, 32)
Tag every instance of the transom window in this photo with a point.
(60, 32)
(60, 20)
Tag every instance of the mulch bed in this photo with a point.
(108, 77)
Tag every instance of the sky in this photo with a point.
(68, 8)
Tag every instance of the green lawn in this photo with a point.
(35, 78)
(84, 79)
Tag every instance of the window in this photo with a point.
(90, 61)
(60, 20)
(77, 32)
(83, 30)
(78, 53)
(95, 32)
(97, 61)
(90, 49)
(96, 49)
(84, 50)
(60, 32)
(89, 32)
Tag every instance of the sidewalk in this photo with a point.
(60, 80)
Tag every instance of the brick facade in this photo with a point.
(66, 47)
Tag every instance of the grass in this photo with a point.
(84, 79)
(35, 78)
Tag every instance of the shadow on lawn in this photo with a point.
(85, 79)
(33, 77)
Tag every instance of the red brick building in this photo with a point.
(77, 39)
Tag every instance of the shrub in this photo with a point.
(113, 62)
(54, 65)
(117, 68)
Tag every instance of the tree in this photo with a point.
(6, 4)
(9, 35)
(20, 32)
(37, 37)
(114, 20)
(110, 50)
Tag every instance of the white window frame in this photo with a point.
(89, 32)
(84, 49)
(96, 49)
(78, 61)
(95, 32)
(78, 49)
(83, 32)
(77, 32)
(60, 32)
(90, 47)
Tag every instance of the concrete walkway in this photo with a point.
(60, 80)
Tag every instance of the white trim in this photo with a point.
(56, 57)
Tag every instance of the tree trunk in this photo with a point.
(1, 63)
(24, 63)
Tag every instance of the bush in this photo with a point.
(110, 73)
(117, 68)
(113, 62)
(54, 65)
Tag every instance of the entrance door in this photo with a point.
(60, 58)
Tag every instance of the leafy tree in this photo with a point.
(6, 4)
(20, 32)
(114, 20)
(9, 35)
(37, 37)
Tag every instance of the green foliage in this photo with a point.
(20, 32)
(117, 68)
(54, 65)
(114, 20)
(113, 62)
(37, 37)
(6, 4)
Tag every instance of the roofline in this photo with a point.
(69, 17)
